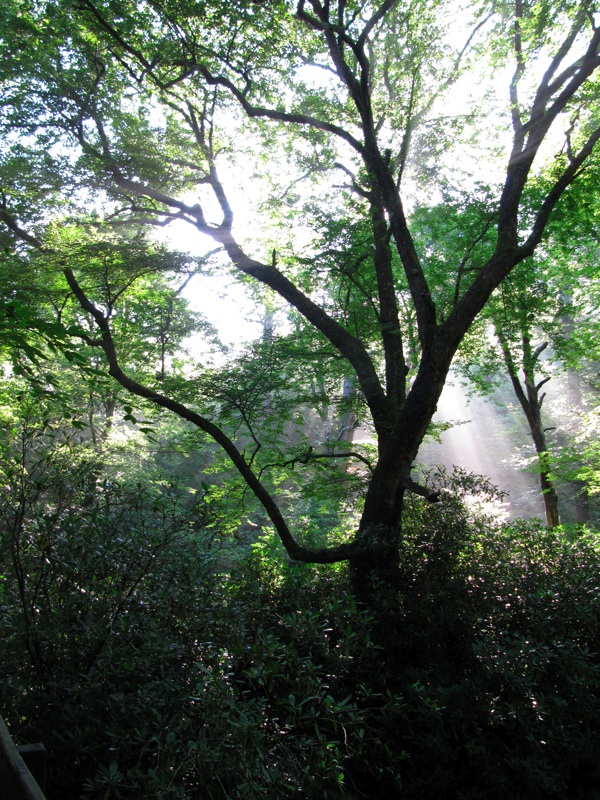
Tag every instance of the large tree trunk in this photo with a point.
(378, 563)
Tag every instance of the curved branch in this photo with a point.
(296, 551)
(505, 258)
(564, 181)
(429, 494)
(465, 260)
(347, 344)
(188, 69)
(11, 223)
(311, 456)
(383, 9)
(527, 142)
(563, 51)
(278, 116)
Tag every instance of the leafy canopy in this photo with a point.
(332, 122)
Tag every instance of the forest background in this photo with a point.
(225, 570)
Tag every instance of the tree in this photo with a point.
(149, 109)
(538, 325)
(502, 342)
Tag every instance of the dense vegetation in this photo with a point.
(155, 659)
(223, 573)
(338, 124)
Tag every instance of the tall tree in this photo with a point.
(149, 109)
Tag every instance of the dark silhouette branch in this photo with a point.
(422, 491)
(310, 455)
(294, 549)
(20, 233)
(575, 167)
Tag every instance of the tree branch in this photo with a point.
(294, 549)
(278, 116)
(391, 334)
(22, 234)
(575, 167)
(520, 69)
(422, 491)
(527, 141)
(505, 257)
(563, 51)
(383, 9)
(349, 346)
(310, 455)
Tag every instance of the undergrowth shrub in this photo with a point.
(160, 672)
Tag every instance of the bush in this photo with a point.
(151, 670)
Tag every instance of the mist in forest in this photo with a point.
(489, 437)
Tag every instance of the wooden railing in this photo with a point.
(18, 765)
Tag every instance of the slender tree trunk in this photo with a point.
(547, 486)
(531, 402)
(347, 419)
(581, 503)
(580, 497)
(110, 406)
